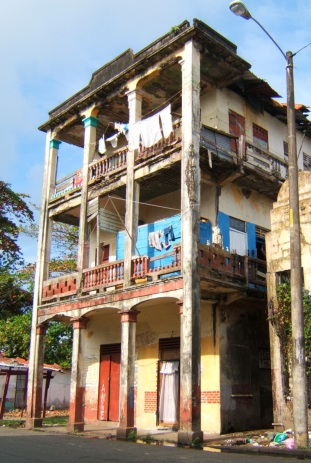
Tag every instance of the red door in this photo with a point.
(109, 387)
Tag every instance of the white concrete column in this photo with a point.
(90, 124)
(43, 253)
(34, 419)
(77, 388)
(132, 192)
(128, 348)
(190, 356)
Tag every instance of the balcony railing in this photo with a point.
(103, 276)
(265, 161)
(108, 165)
(214, 263)
(65, 285)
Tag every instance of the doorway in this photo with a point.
(109, 382)
(168, 394)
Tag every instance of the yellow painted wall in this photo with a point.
(210, 373)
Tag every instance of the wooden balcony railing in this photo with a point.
(265, 160)
(162, 146)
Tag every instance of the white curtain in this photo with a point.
(168, 406)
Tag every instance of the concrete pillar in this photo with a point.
(90, 124)
(43, 254)
(190, 355)
(128, 344)
(34, 416)
(132, 192)
(77, 388)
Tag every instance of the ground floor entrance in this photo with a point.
(109, 382)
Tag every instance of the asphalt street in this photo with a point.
(24, 446)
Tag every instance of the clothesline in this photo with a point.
(147, 131)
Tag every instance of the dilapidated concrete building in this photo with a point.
(278, 266)
(182, 153)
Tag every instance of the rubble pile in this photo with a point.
(270, 439)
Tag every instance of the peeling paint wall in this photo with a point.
(255, 209)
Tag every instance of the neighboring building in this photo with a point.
(13, 385)
(182, 154)
(278, 264)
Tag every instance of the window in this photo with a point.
(237, 224)
(260, 137)
(306, 161)
(236, 127)
(238, 236)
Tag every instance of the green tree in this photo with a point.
(17, 279)
(15, 335)
(58, 347)
(282, 323)
(14, 212)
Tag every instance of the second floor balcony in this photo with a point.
(217, 266)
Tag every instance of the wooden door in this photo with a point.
(109, 387)
(105, 255)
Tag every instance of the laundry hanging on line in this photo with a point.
(154, 240)
(168, 235)
(149, 131)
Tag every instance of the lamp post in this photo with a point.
(300, 404)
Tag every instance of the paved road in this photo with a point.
(23, 446)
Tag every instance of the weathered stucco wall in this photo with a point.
(278, 260)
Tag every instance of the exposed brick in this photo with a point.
(210, 397)
(150, 402)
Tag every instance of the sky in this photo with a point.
(49, 50)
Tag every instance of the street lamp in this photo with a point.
(300, 404)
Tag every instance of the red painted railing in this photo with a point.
(214, 262)
(103, 275)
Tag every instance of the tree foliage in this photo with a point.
(58, 347)
(15, 339)
(282, 323)
(14, 212)
(15, 335)
(17, 279)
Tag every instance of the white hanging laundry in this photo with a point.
(166, 119)
(121, 127)
(209, 154)
(102, 145)
(113, 139)
(150, 131)
(134, 135)
(154, 239)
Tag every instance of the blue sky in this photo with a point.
(50, 49)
